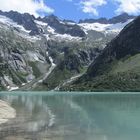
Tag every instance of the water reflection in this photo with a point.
(73, 117)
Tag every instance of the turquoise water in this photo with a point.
(72, 116)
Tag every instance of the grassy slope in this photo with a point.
(124, 75)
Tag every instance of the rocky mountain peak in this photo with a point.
(121, 18)
(100, 20)
(51, 19)
(26, 20)
(63, 28)
(118, 19)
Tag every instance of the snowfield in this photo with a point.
(41, 23)
(105, 28)
(7, 21)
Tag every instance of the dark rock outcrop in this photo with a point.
(54, 22)
(100, 20)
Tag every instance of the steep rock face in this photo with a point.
(126, 43)
(63, 28)
(26, 20)
(21, 59)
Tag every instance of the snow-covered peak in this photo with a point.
(51, 34)
(93, 26)
(54, 32)
(9, 22)
(117, 27)
(105, 28)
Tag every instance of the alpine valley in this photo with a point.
(53, 54)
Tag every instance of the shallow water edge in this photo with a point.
(65, 93)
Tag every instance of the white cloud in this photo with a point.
(128, 6)
(90, 6)
(25, 6)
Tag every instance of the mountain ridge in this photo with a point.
(53, 51)
(117, 67)
(116, 19)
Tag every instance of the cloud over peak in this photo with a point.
(25, 6)
(90, 6)
(128, 6)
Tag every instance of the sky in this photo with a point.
(73, 9)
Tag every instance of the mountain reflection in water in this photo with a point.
(72, 117)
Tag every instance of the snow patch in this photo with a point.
(94, 26)
(50, 30)
(41, 23)
(10, 22)
(9, 83)
(117, 27)
(67, 37)
(51, 60)
(62, 37)
(21, 31)
(62, 22)
(105, 28)
(70, 23)
(23, 84)
(67, 23)
(13, 88)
